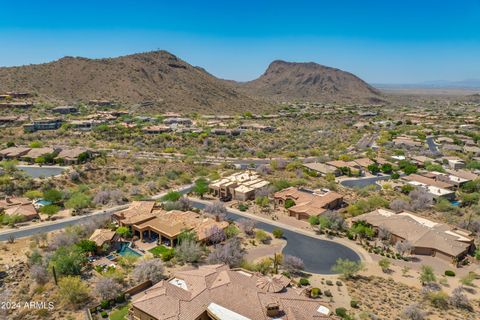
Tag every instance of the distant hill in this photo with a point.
(158, 77)
(437, 84)
(310, 81)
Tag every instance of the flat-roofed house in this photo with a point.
(307, 204)
(217, 292)
(85, 125)
(65, 110)
(239, 186)
(43, 124)
(427, 237)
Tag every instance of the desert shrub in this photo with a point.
(438, 299)
(277, 233)
(315, 292)
(449, 273)
(104, 314)
(354, 304)
(304, 282)
(242, 207)
(329, 283)
(341, 312)
(105, 304)
(339, 283)
(328, 293)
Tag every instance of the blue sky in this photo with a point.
(381, 41)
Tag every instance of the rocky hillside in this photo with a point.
(310, 81)
(158, 77)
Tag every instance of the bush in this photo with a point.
(277, 233)
(304, 282)
(105, 304)
(329, 283)
(262, 236)
(328, 293)
(339, 283)
(449, 273)
(242, 207)
(315, 292)
(354, 304)
(289, 203)
(120, 298)
(341, 312)
(439, 299)
(104, 314)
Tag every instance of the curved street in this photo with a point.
(318, 255)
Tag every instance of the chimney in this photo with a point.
(273, 309)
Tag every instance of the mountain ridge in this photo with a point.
(310, 81)
(173, 84)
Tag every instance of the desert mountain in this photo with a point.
(158, 77)
(310, 81)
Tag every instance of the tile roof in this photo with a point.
(100, 236)
(229, 291)
(306, 202)
(419, 231)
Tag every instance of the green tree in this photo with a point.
(33, 194)
(313, 220)
(373, 168)
(87, 246)
(386, 168)
(78, 201)
(68, 261)
(50, 209)
(362, 230)
(427, 275)
(52, 195)
(262, 201)
(347, 268)
(123, 232)
(172, 196)
(200, 187)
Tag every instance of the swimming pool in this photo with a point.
(43, 202)
(125, 250)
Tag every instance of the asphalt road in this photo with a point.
(50, 226)
(363, 182)
(432, 146)
(318, 255)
